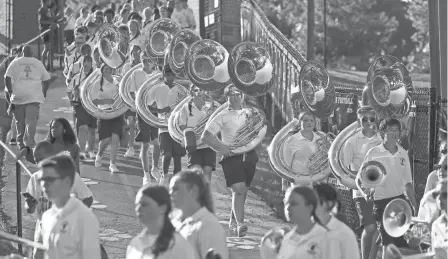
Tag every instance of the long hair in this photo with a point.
(166, 237)
(195, 178)
(301, 115)
(103, 66)
(190, 103)
(310, 197)
(68, 136)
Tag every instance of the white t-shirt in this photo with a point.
(347, 243)
(27, 74)
(79, 188)
(398, 171)
(313, 245)
(138, 77)
(433, 179)
(428, 210)
(355, 150)
(439, 237)
(70, 61)
(227, 122)
(204, 232)
(164, 96)
(140, 247)
(71, 232)
(110, 90)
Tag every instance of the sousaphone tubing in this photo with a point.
(118, 108)
(113, 45)
(177, 51)
(144, 99)
(157, 39)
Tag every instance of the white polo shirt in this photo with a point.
(190, 120)
(354, 151)
(138, 77)
(398, 171)
(227, 122)
(69, 62)
(140, 247)
(313, 245)
(27, 74)
(110, 90)
(439, 237)
(71, 232)
(297, 150)
(204, 232)
(428, 210)
(348, 244)
(164, 96)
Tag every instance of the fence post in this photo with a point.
(19, 203)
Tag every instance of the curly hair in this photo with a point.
(68, 136)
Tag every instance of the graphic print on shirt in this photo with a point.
(27, 71)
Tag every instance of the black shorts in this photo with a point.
(170, 147)
(83, 117)
(202, 157)
(240, 168)
(108, 127)
(378, 211)
(145, 132)
(365, 212)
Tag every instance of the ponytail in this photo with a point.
(166, 235)
(190, 106)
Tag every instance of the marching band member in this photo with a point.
(73, 52)
(397, 181)
(83, 14)
(124, 15)
(130, 115)
(136, 37)
(441, 172)
(239, 170)
(354, 152)
(93, 39)
(86, 124)
(148, 14)
(109, 131)
(86, 50)
(160, 102)
(97, 61)
(69, 228)
(303, 143)
(99, 21)
(37, 203)
(309, 238)
(439, 229)
(147, 134)
(202, 157)
(159, 238)
(346, 238)
(190, 193)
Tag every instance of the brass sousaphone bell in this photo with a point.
(372, 174)
(176, 52)
(316, 95)
(113, 45)
(158, 37)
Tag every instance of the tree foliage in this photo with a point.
(357, 30)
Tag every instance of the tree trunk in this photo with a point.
(310, 41)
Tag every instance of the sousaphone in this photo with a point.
(113, 45)
(118, 108)
(157, 39)
(126, 93)
(143, 100)
(316, 95)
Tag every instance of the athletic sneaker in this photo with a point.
(98, 160)
(130, 152)
(13, 142)
(242, 230)
(155, 172)
(113, 169)
(146, 178)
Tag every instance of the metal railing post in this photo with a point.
(50, 51)
(19, 203)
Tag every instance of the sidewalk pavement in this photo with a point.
(114, 194)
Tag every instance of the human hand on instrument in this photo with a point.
(225, 150)
(166, 110)
(369, 194)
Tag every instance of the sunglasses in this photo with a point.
(366, 119)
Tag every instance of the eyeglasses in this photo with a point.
(366, 119)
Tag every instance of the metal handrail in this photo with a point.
(19, 164)
(26, 43)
